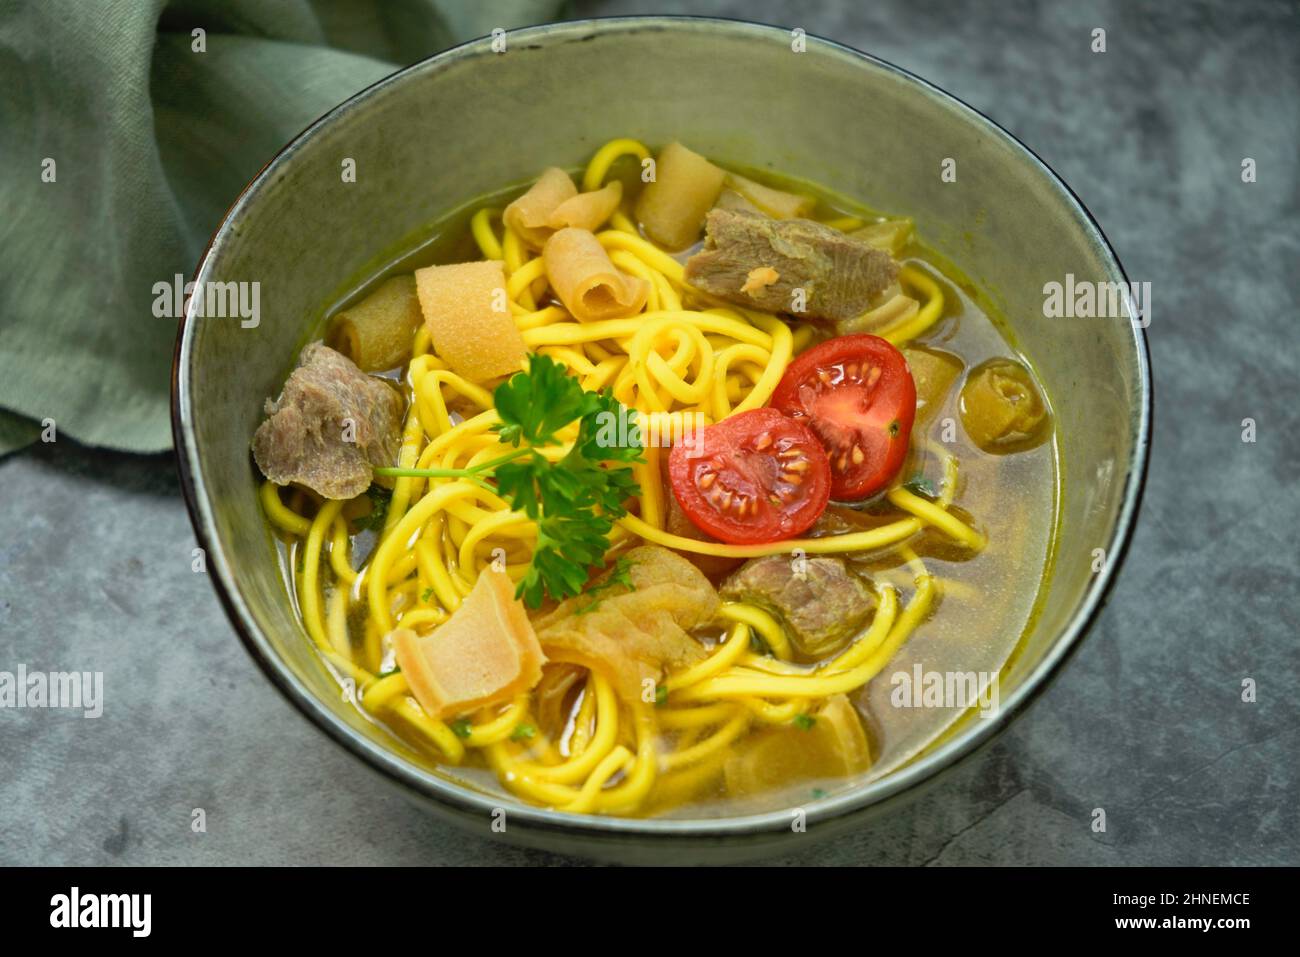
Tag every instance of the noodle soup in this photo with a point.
(827, 570)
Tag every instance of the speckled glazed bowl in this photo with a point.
(462, 124)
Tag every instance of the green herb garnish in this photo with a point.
(804, 722)
(661, 695)
(391, 671)
(523, 732)
(818, 793)
(461, 727)
(374, 519)
(574, 500)
(920, 485)
(426, 596)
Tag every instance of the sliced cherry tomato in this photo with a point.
(857, 394)
(755, 477)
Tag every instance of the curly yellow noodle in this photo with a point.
(770, 713)
(499, 728)
(523, 277)
(336, 622)
(768, 628)
(309, 587)
(588, 796)
(480, 226)
(737, 725)
(652, 494)
(671, 719)
(594, 176)
(338, 552)
(281, 516)
(933, 514)
(865, 541)
(403, 488)
(726, 654)
(442, 737)
(383, 691)
(602, 742)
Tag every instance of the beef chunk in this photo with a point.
(839, 275)
(821, 602)
(330, 426)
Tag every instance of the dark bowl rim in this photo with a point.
(465, 801)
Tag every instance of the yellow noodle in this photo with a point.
(850, 542)
(598, 168)
(723, 657)
(281, 516)
(767, 627)
(933, 514)
(481, 228)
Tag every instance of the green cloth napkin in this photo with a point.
(122, 145)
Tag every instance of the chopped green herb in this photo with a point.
(391, 671)
(461, 727)
(426, 596)
(918, 484)
(575, 500)
(804, 722)
(523, 732)
(818, 793)
(374, 519)
(536, 404)
(661, 695)
(619, 576)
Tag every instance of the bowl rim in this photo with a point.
(454, 796)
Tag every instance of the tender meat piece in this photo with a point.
(330, 426)
(629, 636)
(822, 603)
(840, 276)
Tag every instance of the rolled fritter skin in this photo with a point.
(839, 276)
(330, 426)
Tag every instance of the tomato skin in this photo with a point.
(856, 392)
(752, 478)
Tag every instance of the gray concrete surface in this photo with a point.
(1147, 722)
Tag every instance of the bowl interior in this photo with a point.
(471, 120)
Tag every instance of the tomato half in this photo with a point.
(755, 477)
(857, 394)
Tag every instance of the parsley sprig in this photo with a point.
(575, 499)
(374, 519)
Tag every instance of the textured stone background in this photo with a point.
(1146, 722)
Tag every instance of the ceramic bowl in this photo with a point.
(464, 123)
